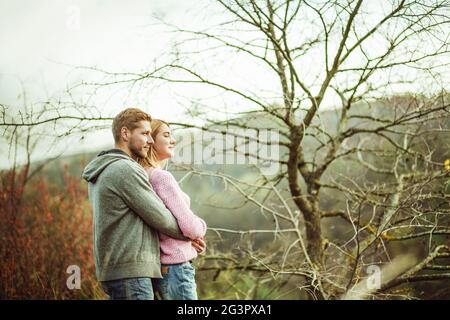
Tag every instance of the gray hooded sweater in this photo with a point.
(127, 215)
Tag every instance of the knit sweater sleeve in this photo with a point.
(131, 184)
(167, 188)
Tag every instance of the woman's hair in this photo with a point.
(128, 118)
(152, 158)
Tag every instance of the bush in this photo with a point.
(46, 228)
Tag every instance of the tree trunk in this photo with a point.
(307, 204)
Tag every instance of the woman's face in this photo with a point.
(164, 144)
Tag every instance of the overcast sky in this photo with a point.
(42, 41)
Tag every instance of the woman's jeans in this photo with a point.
(178, 282)
(129, 289)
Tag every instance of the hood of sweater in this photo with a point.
(95, 168)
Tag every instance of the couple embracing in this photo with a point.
(145, 234)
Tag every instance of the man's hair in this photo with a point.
(128, 118)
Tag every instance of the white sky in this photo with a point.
(41, 41)
(39, 37)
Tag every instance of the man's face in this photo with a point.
(140, 140)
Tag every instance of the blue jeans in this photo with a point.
(178, 282)
(129, 289)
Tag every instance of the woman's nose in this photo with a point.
(150, 140)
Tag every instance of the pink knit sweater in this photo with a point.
(167, 188)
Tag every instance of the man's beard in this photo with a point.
(135, 154)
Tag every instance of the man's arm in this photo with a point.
(133, 186)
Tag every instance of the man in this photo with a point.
(127, 214)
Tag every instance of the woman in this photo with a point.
(178, 282)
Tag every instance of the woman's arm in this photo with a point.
(167, 188)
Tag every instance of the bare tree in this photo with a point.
(377, 168)
(362, 54)
(32, 129)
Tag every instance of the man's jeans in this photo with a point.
(129, 289)
(178, 282)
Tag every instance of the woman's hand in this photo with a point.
(199, 245)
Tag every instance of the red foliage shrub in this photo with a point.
(46, 228)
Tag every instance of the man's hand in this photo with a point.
(199, 245)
